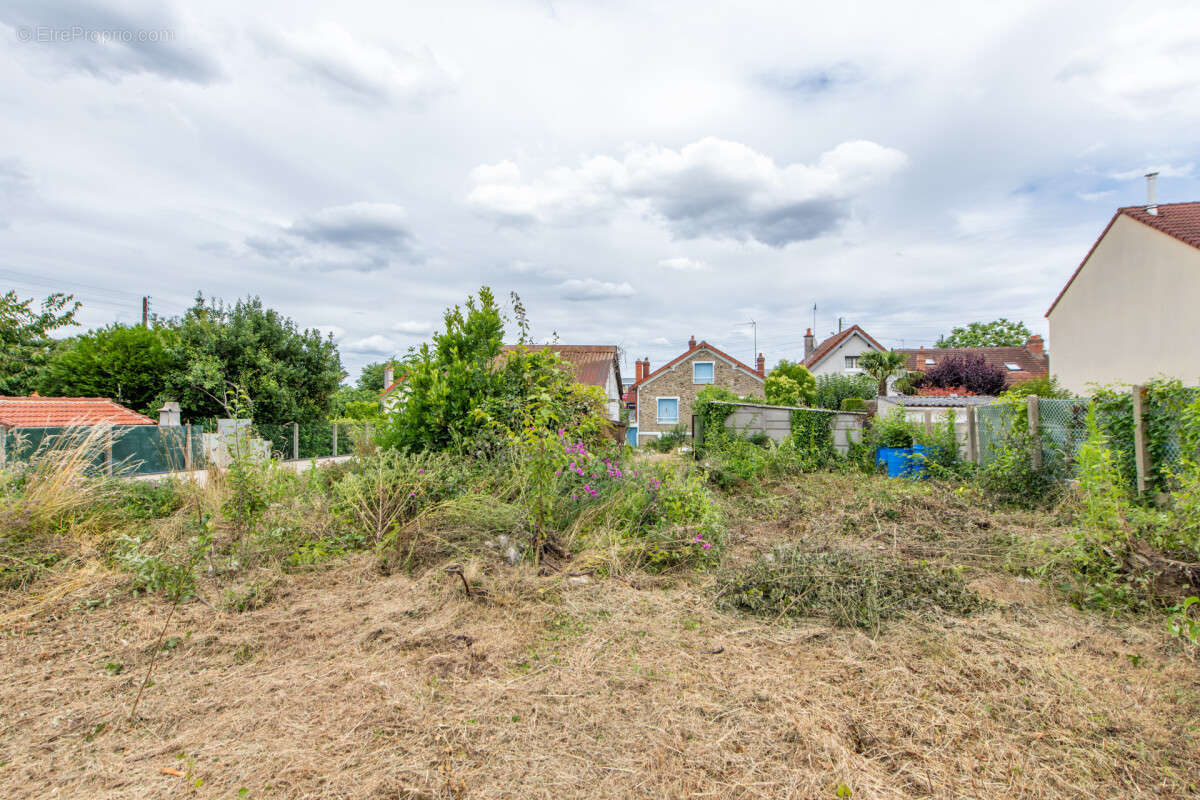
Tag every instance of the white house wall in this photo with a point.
(1131, 313)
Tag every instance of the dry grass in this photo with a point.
(349, 684)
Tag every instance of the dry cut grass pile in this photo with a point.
(349, 684)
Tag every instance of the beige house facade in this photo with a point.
(664, 397)
(1130, 311)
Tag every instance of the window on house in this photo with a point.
(851, 362)
(929, 362)
(1012, 367)
(702, 372)
(668, 409)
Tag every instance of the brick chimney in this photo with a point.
(692, 342)
(760, 366)
(646, 367)
(810, 343)
(637, 371)
(1036, 345)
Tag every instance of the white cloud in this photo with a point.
(683, 264)
(591, 289)
(360, 237)
(357, 69)
(711, 188)
(413, 328)
(1163, 170)
(1091, 197)
(375, 344)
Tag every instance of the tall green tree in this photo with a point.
(130, 364)
(462, 392)
(25, 342)
(882, 366)
(997, 333)
(371, 376)
(289, 375)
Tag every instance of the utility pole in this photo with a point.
(814, 327)
(146, 311)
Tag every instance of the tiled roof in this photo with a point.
(592, 362)
(829, 345)
(56, 412)
(698, 346)
(1031, 366)
(1178, 220)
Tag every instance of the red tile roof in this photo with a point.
(1031, 366)
(1178, 220)
(591, 362)
(829, 345)
(698, 346)
(56, 412)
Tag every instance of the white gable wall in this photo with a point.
(1131, 313)
(835, 362)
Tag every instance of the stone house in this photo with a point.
(663, 398)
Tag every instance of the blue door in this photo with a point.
(631, 436)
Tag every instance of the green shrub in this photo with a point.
(853, 404)
(670, 440)
(894, 430)
(833, 389)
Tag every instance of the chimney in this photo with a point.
(760, 366)
(168, 414)
(1036, 345)
(646, 367)
(1151, 193)
(692, 342)
(810, 343)
(389, 375)
(637, 371)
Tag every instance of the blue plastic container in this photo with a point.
(906, 462)
(882, 453)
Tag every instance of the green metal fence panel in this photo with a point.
(125, 449)
(1063, 427)
(993, 424)
(1164, 416)
(279, 436)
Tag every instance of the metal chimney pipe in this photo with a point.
(1151, 193)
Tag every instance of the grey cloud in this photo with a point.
(360, 237)
(711, 188)
(109, 41)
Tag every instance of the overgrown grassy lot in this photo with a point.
(383, 630)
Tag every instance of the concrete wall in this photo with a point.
(677, 382)
(776, 422)
(835, 362)
(1130, 313)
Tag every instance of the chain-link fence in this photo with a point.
(316, 439)
(1062, 429)
(119, 449)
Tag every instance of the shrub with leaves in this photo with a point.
(970, 372)
(833, 389)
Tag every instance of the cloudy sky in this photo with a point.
(638, 172)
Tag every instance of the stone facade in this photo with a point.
(676, 380)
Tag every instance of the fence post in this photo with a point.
(929, 424)
(108, 447)
(335, 438)
(973, 454)
(295, 441)
(187, 449)
(1031, 403)
(1141, 454)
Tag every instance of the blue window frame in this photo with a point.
(702, 372)
(668, 409)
